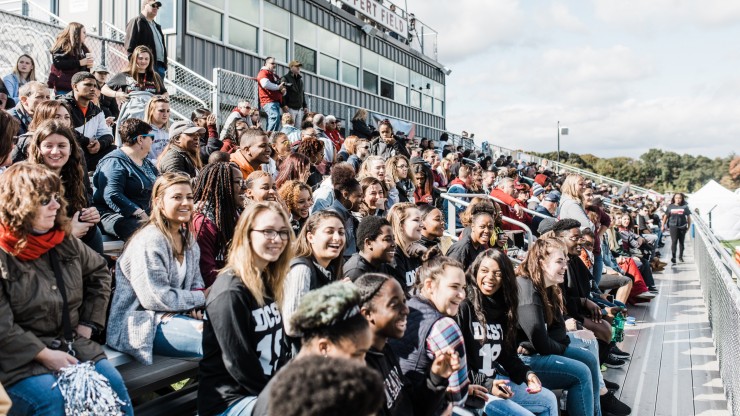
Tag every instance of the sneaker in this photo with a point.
(603, 368)
(610, 405)
(610, 385)
(680, 258)
(653, 289)
(613, 362)
(646, 295)
(673, 260)
(622, 355)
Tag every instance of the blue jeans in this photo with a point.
(179, 336)
(160, 68)
(243, 407)
(598, 268)
(593, 348)
(543, 403)
(570, 372)
(274, 113)
(34, 395)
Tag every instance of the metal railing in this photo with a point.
(229, 89)
(718, 275)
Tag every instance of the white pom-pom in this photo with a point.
(87, 392)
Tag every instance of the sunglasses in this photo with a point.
(146, 135)
(47, 200)
(155, 5)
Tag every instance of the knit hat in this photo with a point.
(537, 189)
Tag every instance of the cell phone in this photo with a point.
(79, 217)
(504, 389)
(610, 298)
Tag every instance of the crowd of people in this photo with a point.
(258, 249)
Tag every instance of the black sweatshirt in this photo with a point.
(533, 332)
(484, 359)
(577, 286)
(241, 345)
(400, 398)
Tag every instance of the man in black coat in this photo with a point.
(294, 101)
(143, 30)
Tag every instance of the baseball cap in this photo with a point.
(100, 68)
(185, 126)
(552, 197)
(294, 63)
(541, 179)
(156, 2)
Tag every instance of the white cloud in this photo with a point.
(647, 16)
(558, 16)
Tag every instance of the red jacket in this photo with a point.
(507, 209)
(268, 96)
(335, 138)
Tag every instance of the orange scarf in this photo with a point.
(36, 245)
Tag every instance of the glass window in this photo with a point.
(329, 67)
(350, 74)
(415, 99)
(370, 60)
(402, 74)
(439, 91)
(426, 103)
(242, 35)
(248, 10)
(416, 79)
(438, 107)
(306, 56)
(387, 68)
(276, 19)
(166, 15)
(304, 32)
(369, 82)
(215, 3)
(328, 42)
(386, 88)
(401, 94)
(350, 52)
(276, 47)
(204, 21)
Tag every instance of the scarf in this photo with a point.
(36, 245)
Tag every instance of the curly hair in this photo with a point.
(334, 386)
(370, 228)
(290, 192)
(391, 167)
(72, 173)
(23, 187)
(331, 312)
(311, 147)
(292, 168)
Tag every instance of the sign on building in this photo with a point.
(381, 14)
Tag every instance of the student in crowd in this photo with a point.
(295, 167)
(432, 226)
(361, 388)
(254, 150)
(255, 120)
(548, 207)
(209, 141)
(317, 262)
(459, 185)
(143, 30)
(107, 104)
(629, 241)
(399, 171)
(425, 193)
(360, 128)
(347, 198)
(45, 111)
(157, 114)
(290, 129)
(8, 131)
(157, 307)
(376, 250)
(571, 201)
(31, 95)
(260, 187)
(373, 197)
(298, 198)
(387, 145)
(70, 55)
(181, 153)
(331, 325)
(431, 329)
(123, 181)
(405, 219)
(280, 145)
(313, 149)
(88, 118)
(24, 71)
(54, 147)
(239, 113)
(677, 219)
(242, 338)
(488, 319)
(476, 237)
(138, 76)
(358, 149)
(374, 166)
(36, 344)
(219, 198)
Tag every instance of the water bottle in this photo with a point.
(564, 400)
(618, 328)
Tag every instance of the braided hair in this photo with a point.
(214, 196)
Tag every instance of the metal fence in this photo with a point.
(718, 277)
(229, 89)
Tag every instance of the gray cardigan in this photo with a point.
(147, 286)
(572, 208)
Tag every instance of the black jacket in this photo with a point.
(177, 160)
(362, 130)
(534, 333)
(356, 266)
(138, 32)
(577, 285)
(463, 250)
(295, 97)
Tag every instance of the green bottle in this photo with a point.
(618, 328)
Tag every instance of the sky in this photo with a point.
(623, 76)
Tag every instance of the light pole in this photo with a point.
(564, 131)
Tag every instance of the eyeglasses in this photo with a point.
(402, 166)
(46, 201)
(272, 234)
(242, 184)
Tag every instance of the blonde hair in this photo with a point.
(151, 107)
(570, 186)
(396, 216)
(31, 75)
(390, 168)
(241, 255)
(365, 167)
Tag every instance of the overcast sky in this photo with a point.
(624, 75)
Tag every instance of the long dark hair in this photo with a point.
(508, 291)
(214, 196)
(683, 198)
(69, 41)
(303, 247)
(149, 72)
(532, 269)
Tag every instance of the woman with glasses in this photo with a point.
(219, 199)
(157, 307)
(298, 198)
(318, 262)
(398, 168)
(37, 250)
(476, 237)
(243, 336)
(157, 114)
(123, 181)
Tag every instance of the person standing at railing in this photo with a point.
(677, 219)
(294, 101)
(271, 92)
(143, 30)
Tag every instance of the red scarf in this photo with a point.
(36, 245)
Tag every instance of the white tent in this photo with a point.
(724, 205)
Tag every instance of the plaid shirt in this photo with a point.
(446, 334)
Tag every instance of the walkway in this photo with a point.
(674, 369)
